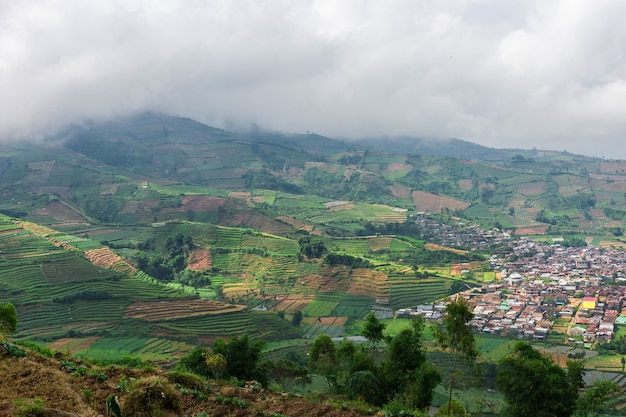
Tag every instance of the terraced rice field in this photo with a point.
(296, 224)
(283, 265)
(111, 348)
(407, 291)
(267, 326)
(275, 245)
(157, 310)
(106, 258)
(293, 302)
(370, 283)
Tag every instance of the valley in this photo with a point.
(153, 235)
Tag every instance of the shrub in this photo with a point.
(29, 408)
(12, 350)
(151, 397)
(186, 379)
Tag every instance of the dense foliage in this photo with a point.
(533, 385)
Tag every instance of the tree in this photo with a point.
(310, 247)
(458, 337)
(405, 352)
(8, 319)
(323, 359)
(242, 358)
(594, 399)
(533, 385)
(216, 362)
(297, 318)
(373, 328)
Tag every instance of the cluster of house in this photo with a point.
(463, 234)
(543, 287)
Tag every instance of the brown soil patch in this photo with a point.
(433, 203)
(434, 246)
(613, 167)
(348, 206)
(296, 224)
(201, 203)
(293, 303)
(200, 260)
(176, 309)
(105, 258)
(612, 244)
(368, 282)
(377, 243)
(61, 212)
(399, 191)
(331, 321)
(532, 188)
(69, 345)
(532, 230)
(395, 166)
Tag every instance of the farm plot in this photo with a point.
(319, 308)
(352, 246)
(261, 324)
(433, 203)
(312, 331)
(283, 266)
(79, 242)
(97, 310)
(275, 245)
(200, 260)
(72, 345)
(23, 283)
(229, 237)
(177, 308)
(354, 306)
(293, 302)
(408, 291)
(106, 258)
(42, 315)
(377, 243)
(111, 348)
(388, 214)
(70, 268)
(369, 282)
(296, 224)
(226, 261)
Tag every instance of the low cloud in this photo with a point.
(543, 74)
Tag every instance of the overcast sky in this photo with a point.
(545, 74)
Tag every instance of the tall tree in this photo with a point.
(373, 328)
(323, 359)
(8, 318)
(457, 336)
(533, 385)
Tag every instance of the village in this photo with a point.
(574, 294)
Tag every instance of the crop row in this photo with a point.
(223, 324)
(318, 308)
(275, 245)
(312, 331)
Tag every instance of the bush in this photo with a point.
(29, 408)
(186, 379)
(151, 397)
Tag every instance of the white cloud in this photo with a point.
(500, 73)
